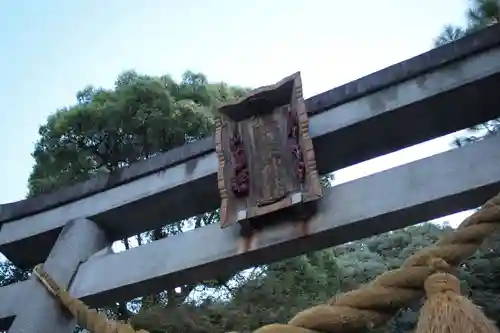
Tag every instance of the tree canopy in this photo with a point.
(110, 128)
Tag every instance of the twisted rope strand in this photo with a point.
(373, 304)
(85, 317)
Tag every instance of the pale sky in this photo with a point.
(51, 49)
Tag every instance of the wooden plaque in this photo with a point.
(266, 156)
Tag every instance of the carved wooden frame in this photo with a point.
(312, 189)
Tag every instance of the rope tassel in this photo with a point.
(446, 310)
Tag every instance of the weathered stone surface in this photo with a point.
(394, 74)
(447, 99)
(419, 191)
(41, 312)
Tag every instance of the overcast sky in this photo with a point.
(51, 49)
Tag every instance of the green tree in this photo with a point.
(272, 293)
(10, 274)
(275, 292)
(139, 117)
(363, 260)
(481, 277)
(107, 129)
(111, 128)
(480, 14)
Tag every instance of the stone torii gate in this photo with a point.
(436, 93)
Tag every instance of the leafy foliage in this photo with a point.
(276, 292)
(111, 128)
(480, 14)
(107, 129)
(10, 274)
